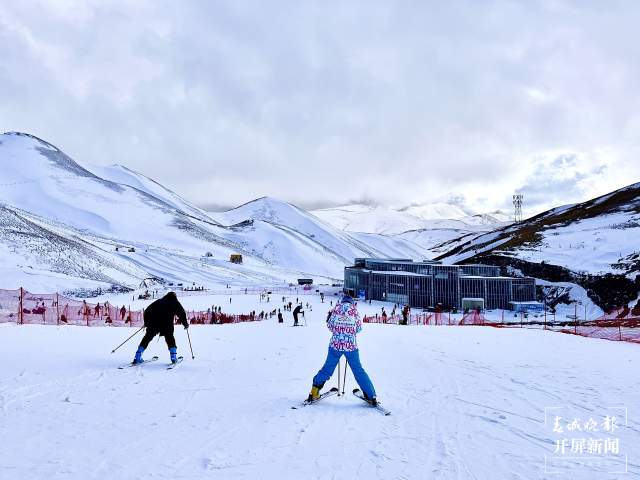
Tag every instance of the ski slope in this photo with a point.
(466, 402)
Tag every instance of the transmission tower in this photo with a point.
(517, 207)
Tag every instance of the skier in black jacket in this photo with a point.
(158, 318)
(296, 312)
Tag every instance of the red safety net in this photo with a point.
(209, 318)
(39, 308)
(9, 306)
(622, 324)
(23, 307)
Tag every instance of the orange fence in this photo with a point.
(622, 324)
(23, 307)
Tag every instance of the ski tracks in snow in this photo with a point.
(465, 406)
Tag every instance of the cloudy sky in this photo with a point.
(324, 103)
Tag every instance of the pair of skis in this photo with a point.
(335, 391)
(152, 359)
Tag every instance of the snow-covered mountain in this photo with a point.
(125, 176)
(68, 225)
(430, 228)
(114, 225)
(593, 243)
(395, 221)
(275, 218)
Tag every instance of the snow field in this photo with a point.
(466, 402)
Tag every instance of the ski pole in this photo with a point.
(339, 368)
(113, 351)
(344, 384)
(190, 347)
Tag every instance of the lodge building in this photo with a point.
(429, 284)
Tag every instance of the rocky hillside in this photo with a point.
(591, 243)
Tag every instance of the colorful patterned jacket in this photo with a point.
(344, 322)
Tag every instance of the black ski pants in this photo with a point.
(148, 336)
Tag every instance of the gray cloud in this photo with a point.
(562, 178)
(320, 103)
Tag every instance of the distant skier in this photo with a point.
(296, 312)
(405, 314)
(345, 323)
(280, 318)
(158, 319)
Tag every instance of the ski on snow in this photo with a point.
(173, 365)
(333, 391)
(153, 359)
(380, 408)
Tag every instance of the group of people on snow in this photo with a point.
(343, 321)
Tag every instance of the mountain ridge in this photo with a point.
(110, 206)
(588, 243)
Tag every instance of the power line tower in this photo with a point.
(517, 208)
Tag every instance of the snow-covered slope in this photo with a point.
(38, 248)
(39, 178)
(466, 402)
(368, 219)
(426, 228)
(581, 242)
(437, 210)
(437, 240)
(592, 237)
(295, 220)
(126, 176)
(393, 221)
(110, 210)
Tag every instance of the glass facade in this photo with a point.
(398, 288)
(399, 265)
(497, 293)
(427, 284)
(523, 289)
(446, 287)
(356, 279)
(421, 291)
(472, 287)
(480, 270)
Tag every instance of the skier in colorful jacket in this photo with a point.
(345, 323)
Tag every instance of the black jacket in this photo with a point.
(159, 315)
(297, 310)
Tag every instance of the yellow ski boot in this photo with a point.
(315, 394)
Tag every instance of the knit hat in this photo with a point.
(347, 298)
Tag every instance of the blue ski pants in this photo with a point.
(333, 357)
